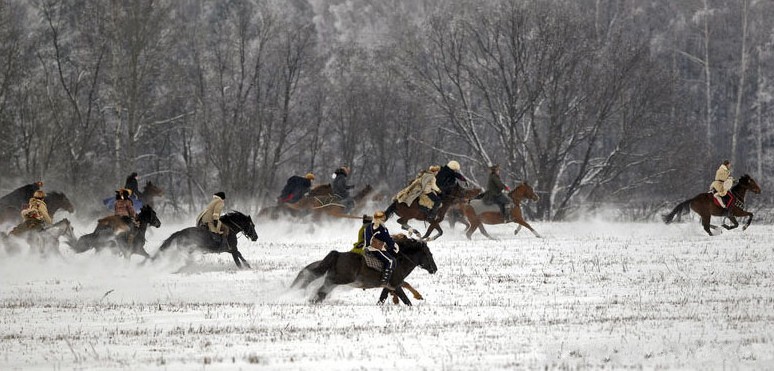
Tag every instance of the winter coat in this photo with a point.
(447, 178)
(494, 188)
(423, 185)
(378, 238)
(359, 245)
(721, 175)
(38, 210)
(125, 207)
(131, 184)
(340, 186)
(210, 216)
(295, 188)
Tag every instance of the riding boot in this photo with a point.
(434, 211)
(506, 214)
(386, 274)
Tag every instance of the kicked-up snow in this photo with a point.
(590, 294)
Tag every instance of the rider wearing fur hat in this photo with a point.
(35, 215)
(722, 183)
(295, 188)
(379, 244)
(448, 176)
(209, 219)
(494, 192)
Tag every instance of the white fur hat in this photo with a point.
(454, 165)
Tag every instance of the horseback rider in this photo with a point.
(425, 188)
(35, 215)
(379, 244)
(722, 183)
(447, 177)
(20, 195)
(494, 192)
(341, 188)
(358, 246)
(295, 188)
(124, 207)
(209, 219)
(131, 184)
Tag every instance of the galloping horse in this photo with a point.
(415, 211)
(54, 202)
(44, 240)
(201, 239)
(350, 269)
(704, 205)
(492, 215)
(113, 231)
(320, 201)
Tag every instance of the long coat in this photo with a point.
(38, 210)
(419, 188)
(211, 215)
(340, 186)
(295, 188)
(125, 207)
(721, 175)
(447, 178)
(494, 189)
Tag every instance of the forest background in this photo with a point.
(631, 102)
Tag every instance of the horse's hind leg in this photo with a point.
(526, 225)
(749, 220)
(705, 222)
(413, 291)
(734, 223)
(323, 291)
(484, 232)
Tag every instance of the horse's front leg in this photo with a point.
(734, 223)
(526, 225)
(749, 220)
(413, 291)
(402, 295)
(411, 231)
(383, 296)
(239, 259)
(433, 225)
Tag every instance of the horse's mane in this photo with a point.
(233, 216)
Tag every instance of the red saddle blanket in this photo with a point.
(728, 199)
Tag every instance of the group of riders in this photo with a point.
(430, 186)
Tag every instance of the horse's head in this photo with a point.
(58, 200)
(748, 182)
(241, 223)
(522, 191)
(419, 253)
(148, 216)
(151, 190)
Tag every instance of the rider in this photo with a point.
(494, 192)
(425, 188)
(722, 182)
(341, 188)
(379, 243)
(131, 184)
(447, 177)
(295, 188)
(209, 219)
(35, 215)
(358, 246)
(124, 207)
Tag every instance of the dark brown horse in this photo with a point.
(521, 192)
(415, 211)
(55, 201)
(704, 205)
(350, 269)
(319, 202)
(149, 192)
(114, 232)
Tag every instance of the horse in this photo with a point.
(415, 211)
(114, 231)
(44, 240)
(54, 202)
(704, 205)
(493, 215)
(149, 192)
(350, 268)
(202, 239)
(320, 201)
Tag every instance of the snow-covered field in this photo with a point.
(590, 294)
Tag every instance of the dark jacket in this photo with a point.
(131, 184)
(380, 233)
(340, 186)
(447, 178)
(294, 189)
(494, 188)
(18, 196)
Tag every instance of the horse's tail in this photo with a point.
(679, 210)
(168, 242)
(390, 209)
(315, 270)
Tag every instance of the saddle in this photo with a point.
(372, 262)
(728, 199)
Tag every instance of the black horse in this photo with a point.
(114, 231)
(349, 268)
(201, 239)
(54, 202)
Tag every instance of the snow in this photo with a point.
(590, 294)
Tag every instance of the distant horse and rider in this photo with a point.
(118, 233)
(479, 213)
(705, 204)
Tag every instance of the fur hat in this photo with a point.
(132, 175)
(39, 183)
(367, 219)
(221, 195)
(434, 168)
(494, 168)
(309, 176)
(379, 218)
(39, 194)
(454, 165)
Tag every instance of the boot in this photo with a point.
(434, 211)
(386, 274)
(506, 214)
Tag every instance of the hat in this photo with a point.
(379, 215)
(494, 168)
(221, 195)
(133, 175)
(434, 168)
(309, 176)
(39, 194)
(454, 165)
(367, 219)
(39, 183)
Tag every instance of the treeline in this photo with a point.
(588, 100)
